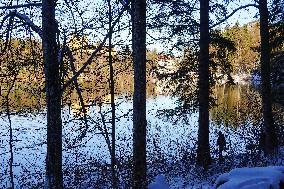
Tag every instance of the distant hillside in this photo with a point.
(247, 42)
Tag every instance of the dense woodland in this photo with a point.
(70, 69)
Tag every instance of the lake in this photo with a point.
(169, 139)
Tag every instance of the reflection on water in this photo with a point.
(238, 105)
(29, 96)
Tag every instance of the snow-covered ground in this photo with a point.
(160, 182)
(256, 79)
(171, 150)
(268, 177)
(252, 178)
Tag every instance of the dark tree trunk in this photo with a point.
(53, 96)
(269, 128)
(203, 148)
(112, 91)
(139, 97)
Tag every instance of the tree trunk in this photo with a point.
(53, 96)
(11, 162)
(112, 91)
(269, 128)
(203, 148)
(139, 97)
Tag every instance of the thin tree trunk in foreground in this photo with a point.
(111, 78)
(11, 162)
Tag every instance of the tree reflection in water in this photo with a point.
(239, 105)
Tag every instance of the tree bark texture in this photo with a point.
(269, 128)
(203, 148)
(139, 97)
(53, 96)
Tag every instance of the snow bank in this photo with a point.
(256, 79)
(159, 183)
(251, 178)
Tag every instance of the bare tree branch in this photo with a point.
(21, 6)
(90, 60)
(23, 18)
(232, 13)
(78, 89)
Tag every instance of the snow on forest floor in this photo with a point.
(171, 150)
(195, 178)
(271, 177)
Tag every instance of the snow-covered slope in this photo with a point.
(252, 178)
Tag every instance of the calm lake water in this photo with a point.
(238, 116)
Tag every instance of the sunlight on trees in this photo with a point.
(121, 94)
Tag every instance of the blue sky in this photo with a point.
(243, 16)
